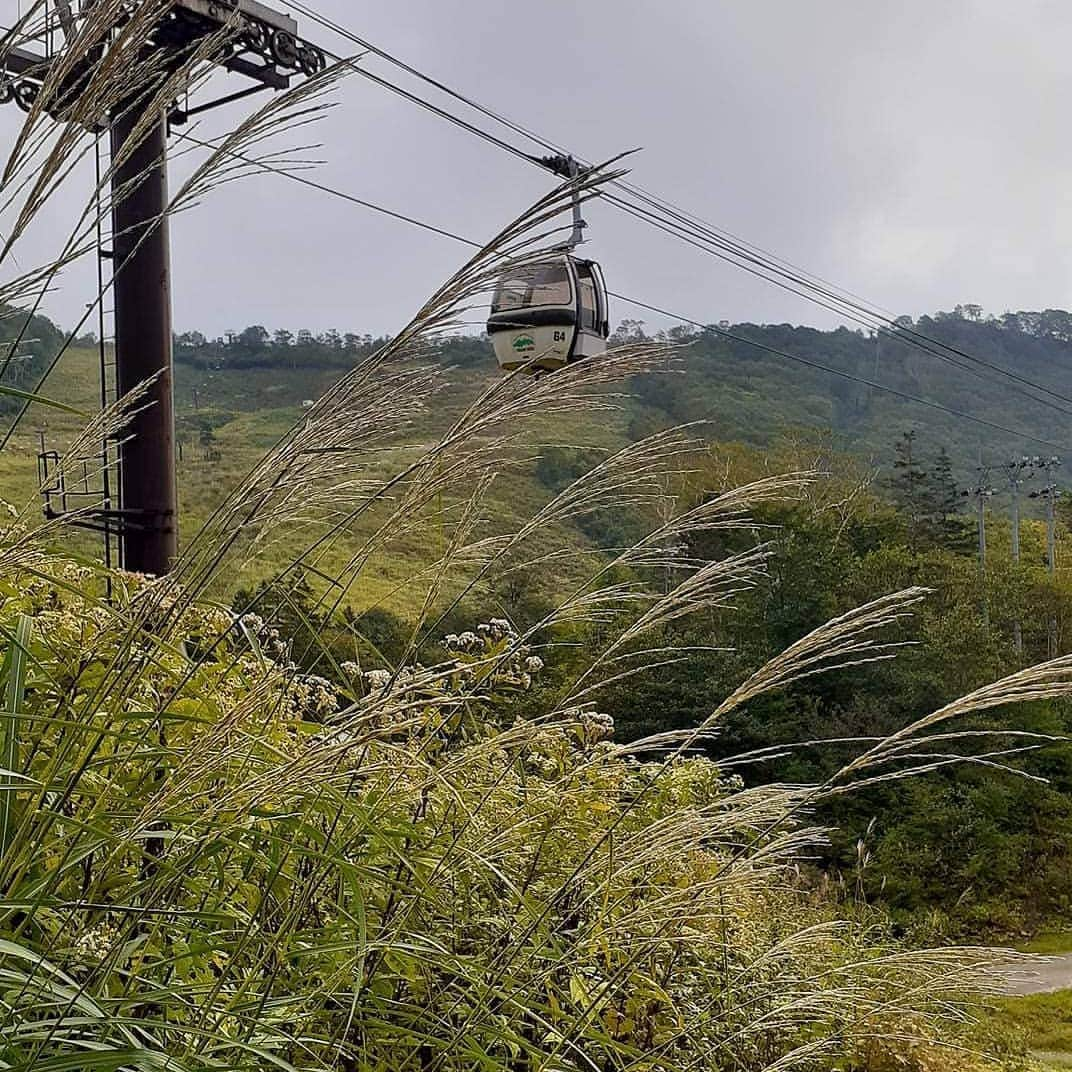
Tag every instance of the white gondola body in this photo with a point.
(544, 349)
(544, 318)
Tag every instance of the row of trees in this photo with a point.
(256, 347)
(1042, 323)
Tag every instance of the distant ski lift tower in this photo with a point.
(264, 47)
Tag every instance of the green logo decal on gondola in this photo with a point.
(524, 342)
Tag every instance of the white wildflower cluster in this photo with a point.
(394, 683)
(405, 677)
(139, 587)
(596, 726)
(267, 636)
(314, 694)
(492, 638)
(583, 731)
(467, 643)
(497, 629)
(486, 637)
(350, 669)
(94, 944)
(377, 680)
(75, 573)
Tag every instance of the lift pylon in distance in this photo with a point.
(262, 45)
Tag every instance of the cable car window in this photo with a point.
(589, 309)
(589, 299)
(510, 294)
(546, 284)
(603, 326)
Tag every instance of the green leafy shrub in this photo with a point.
(214, 855)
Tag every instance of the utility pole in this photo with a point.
(256, 42)
(981, 493)
(1050, 494)
(1017, 470)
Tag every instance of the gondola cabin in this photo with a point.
(546, 315)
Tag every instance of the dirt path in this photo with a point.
(1044, 978)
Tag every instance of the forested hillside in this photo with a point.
(28, 342)
(750, 394)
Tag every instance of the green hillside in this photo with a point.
(747, 392)
(227, 418)
(751, 394)
(237, 396)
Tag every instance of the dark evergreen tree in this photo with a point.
(909, 486)
(943, 500)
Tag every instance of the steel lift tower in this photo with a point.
(264, 47)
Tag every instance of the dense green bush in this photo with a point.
(211, 855)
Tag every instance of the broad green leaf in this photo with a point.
(29, 396)
(14, 672)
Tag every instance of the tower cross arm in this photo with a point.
(263, 45)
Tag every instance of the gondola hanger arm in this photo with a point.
(63, 9)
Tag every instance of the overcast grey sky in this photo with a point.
(915, 152)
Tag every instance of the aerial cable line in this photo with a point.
(349, 35)
(472, 243)
(314, 185)
(925, 343)
(693, 229)
(538, 139)
(881, 320)
(441, 112)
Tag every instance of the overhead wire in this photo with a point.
(901, 332)
(924, 344)
(295, 176)
(688, 227)
(265, 166)
(536, 138)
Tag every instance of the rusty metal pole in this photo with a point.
(143, 346)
